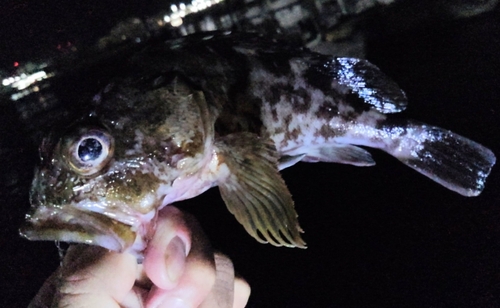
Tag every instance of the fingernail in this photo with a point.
(173, 303)
(175, 258)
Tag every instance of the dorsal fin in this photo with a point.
(367, 82)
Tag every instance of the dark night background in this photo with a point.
(377, 237)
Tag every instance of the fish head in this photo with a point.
(103, 180)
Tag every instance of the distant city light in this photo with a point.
(23, 81)
(181, 11)
(176, 22)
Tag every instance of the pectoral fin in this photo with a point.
(254, 191)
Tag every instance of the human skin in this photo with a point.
(180, 269)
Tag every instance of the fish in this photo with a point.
(229, 110)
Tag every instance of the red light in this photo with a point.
(16, 64)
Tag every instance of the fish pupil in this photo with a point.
(89, 149)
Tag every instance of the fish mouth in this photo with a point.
(76, 226)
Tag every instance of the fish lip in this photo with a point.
(76, 226)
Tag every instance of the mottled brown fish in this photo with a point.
(230, 111)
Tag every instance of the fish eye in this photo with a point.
(89, 150)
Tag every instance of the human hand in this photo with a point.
(179, 270)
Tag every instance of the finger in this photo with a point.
(222, 293)
(197, 276)
(92, 276)
(165, 257)
(241, 293)
(135, 298)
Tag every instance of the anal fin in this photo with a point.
(340, 153)
(288, 161)
(254, 191)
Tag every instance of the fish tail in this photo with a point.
(449, 159)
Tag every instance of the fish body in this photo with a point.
(227, 110)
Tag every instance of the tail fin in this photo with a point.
(451, 160)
